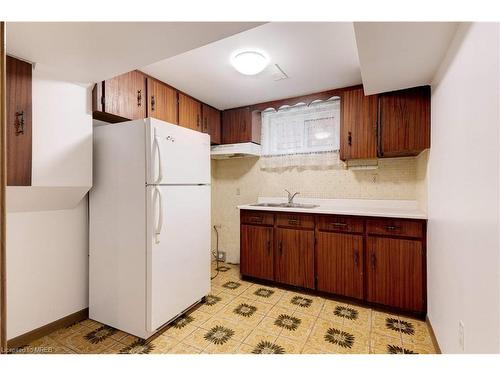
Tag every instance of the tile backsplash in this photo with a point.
(241, 181)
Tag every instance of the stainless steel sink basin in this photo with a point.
(299, 205)
(267, 204)
(285, 205)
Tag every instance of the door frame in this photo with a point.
(3, 180)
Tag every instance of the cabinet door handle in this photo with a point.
(373, 260)
(256, 219)
(19, 123)
(293, 221)
(349, 138)
(139, 98)
(152, 103)
(339, 224)
(206, 124)
(269, 242)
(356, 258)
(197, 120)
(280, 247)
(391, 227)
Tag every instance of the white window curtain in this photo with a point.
(302, 136)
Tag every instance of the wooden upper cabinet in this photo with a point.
(211, 123)
(294, 257)
(241, 125)
(358, 125)
(256, 251)
(124, 96)
(18, 121)
(395, 273)
(162, 101)
(339, 264)
(189, 112)
(404, 122)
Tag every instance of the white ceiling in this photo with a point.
(315, 56)
(93, 51)
(398, 55)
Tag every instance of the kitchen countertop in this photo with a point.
(404, 209)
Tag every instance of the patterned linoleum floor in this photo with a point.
(243, 317)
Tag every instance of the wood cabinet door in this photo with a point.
(18, 121)
(395, 273)
(212, 123)
(162, 103)
(189, 112)
(294, 257)
(358, 125)
(339, 264)
(236, 125)
(256, 254)
(404, 122)
(125, 95)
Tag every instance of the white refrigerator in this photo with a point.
(149, 250)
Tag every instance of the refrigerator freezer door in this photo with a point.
(178, 252)
(176, 155)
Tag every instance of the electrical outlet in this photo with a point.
(374, 178)
(238, 192)
(461, 335)
(222, 256)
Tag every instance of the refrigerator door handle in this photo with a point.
(159, 223)
(158, 152)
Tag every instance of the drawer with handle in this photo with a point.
(295, 221)
(395, 227)
(257, 217)
(340, 224)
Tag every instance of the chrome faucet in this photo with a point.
(291, 196)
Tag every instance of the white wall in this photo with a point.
(47, 251)
(463, 194)
(47, 267)
(62, 136)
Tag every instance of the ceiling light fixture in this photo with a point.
(249, 62)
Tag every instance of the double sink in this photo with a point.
(286, 205)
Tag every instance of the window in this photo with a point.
(302, 135)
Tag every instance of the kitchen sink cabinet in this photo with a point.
(256, 257)
(18, 120)
(211, 123)
(189, 112)
(358, 130)
(120, 98)
(377, 260)
(404, 120)
(395, 272)
(294, 257)
(339, 263)
(162, 101)
(241, 125)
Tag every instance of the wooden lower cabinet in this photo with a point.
(377, 260)
(256, 254)
(339, 264)
(294, 257)
(395, 273)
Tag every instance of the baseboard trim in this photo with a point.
(37, 333)
(433, 336)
